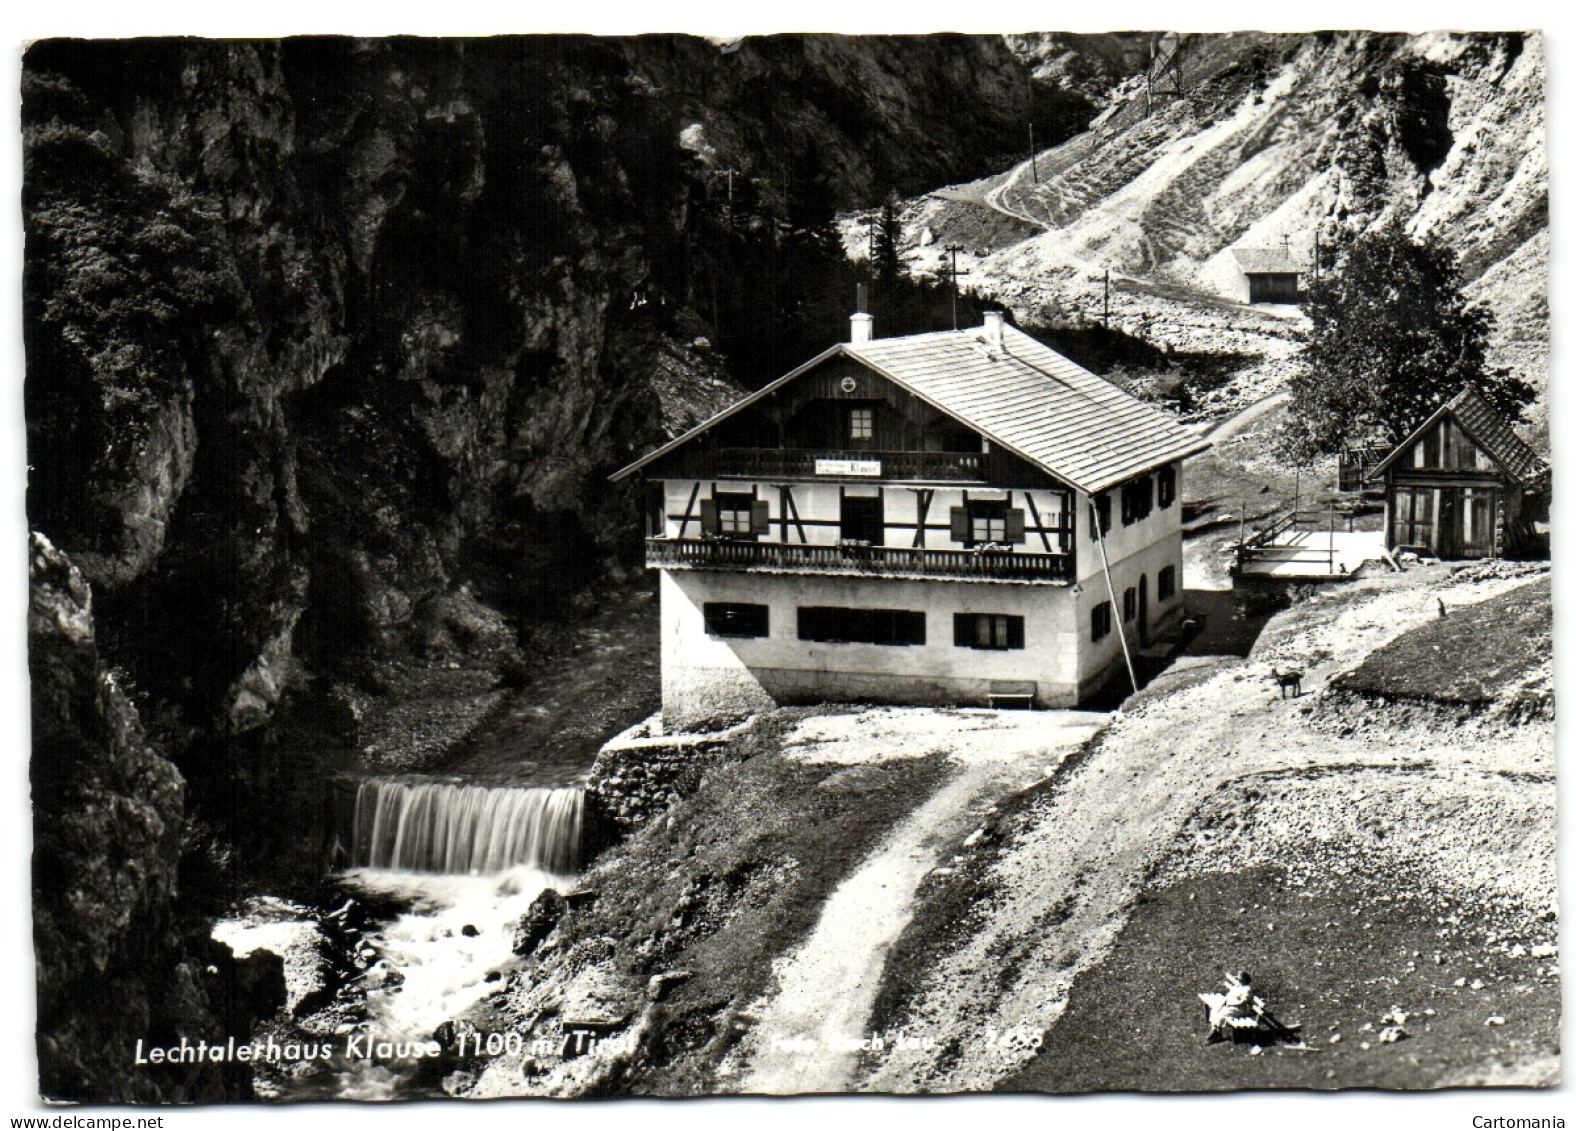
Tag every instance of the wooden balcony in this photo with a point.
(994, 565)
(820, 463)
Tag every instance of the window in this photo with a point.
(861, 424)
(733, 514)
(1100, 621)
(735, 620)
(862, 519)
(1129, 604)
(1414, 517)
(987, 522)
(1102, 512)
(1137, 500)
(861, 626)
(656, 509)
(987, 630)
(981, 521)
(1167, 482)
(1166, 584)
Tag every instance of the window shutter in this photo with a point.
(960, 524)
(1015, 632)
(760, 519)
(962, 624)
(708, 516)
(1015, 533)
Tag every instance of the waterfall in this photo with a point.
(465, 829)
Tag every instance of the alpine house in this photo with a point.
(960, 517)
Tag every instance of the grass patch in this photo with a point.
(730, 878)
(1339, 957)
(1469, 657)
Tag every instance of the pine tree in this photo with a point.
(886, 255)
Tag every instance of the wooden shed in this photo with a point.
(1271, 274)
(1463, 485)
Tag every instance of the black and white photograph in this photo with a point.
(591, 565)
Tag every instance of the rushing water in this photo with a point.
(466, 862)
(427, 826)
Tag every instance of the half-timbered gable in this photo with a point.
(920, 519)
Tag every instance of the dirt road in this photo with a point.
(809, 1033)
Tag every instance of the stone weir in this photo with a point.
(418, 825)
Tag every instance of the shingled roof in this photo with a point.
(1487, 429)
(1266, 261)
(1020, 395)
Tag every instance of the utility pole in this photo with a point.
(1106, 321)
(953, 249)
(1034, 159)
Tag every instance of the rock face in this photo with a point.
(326, 334)
(116, 963)
(319, 328)
(331, 346)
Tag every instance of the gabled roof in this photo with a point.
(1486, 428)
(1022, 396)
(1266, 261)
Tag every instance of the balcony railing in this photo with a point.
(820, 463)
(1001, 565)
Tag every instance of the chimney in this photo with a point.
(993, 320)
(861, 326)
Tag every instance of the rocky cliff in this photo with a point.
(321, 329)
(331, 346)
(120, 960)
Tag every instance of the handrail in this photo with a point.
(1003, 562)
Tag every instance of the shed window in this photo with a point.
(1100, 621)
(861, 626)
(725, 618)
(994, 631)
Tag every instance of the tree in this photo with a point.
(1393, 338)
(888, 260)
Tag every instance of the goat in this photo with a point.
(1291, 679)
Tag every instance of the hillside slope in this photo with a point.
(1271, 141)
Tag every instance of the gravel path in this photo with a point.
(1085, 850)
(808, 1036)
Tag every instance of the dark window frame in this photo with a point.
(1003, 524)
(826, 624)
(1166, 584)
(736, 620)
(990, 632)
(1166, 486)
(1100, 621)
(1138, 500)
(1129, 603)
(1101, 525)
(859, 425)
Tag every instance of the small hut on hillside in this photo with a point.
(1463, 485)
(1271, 274)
